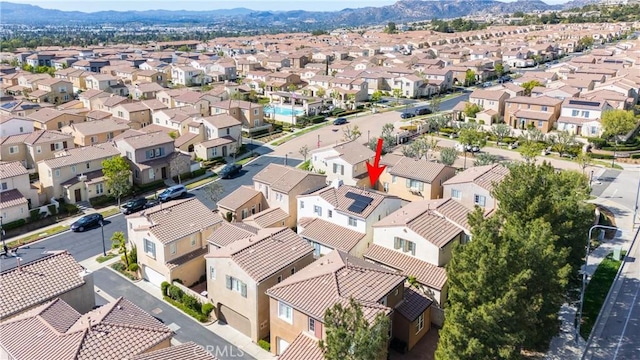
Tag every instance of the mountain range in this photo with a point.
(400, 12)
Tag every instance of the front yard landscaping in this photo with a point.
(185, 302)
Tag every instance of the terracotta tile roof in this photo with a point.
(79, 155)
(426, 219)
(413, 304)
(38, 281)
(539, 100)
(97, 115)
(186, 351)
(354, 152)
(330, 234)
(45, 115)
(337, 198)
(238, 197)
(230, 232)
(426, 273)
(99, 126)
(282, 178)
(181, 260)
(268, 217)
(487, 94)
(46, 136)
(11, 169)
(217, 142)
(333, 278)
(12, 198)
(304, 347)
(175, 220)
(119, 329)
(141, 140)
(485, 176)
(422, 170)
(222, 121)
(255, 255)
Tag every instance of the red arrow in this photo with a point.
(376, 170)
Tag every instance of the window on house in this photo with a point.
(214, 152)
(316, 248)
(329, 213)
(317, 209)
(99, 188)
(110, 136)
(94, 139)
(38, 149)
(456, 194)
(279, 196)
(293, 271)
(245, 213)
(312, 325)
(353, 222)
(120, 114)
(228, 131)
(4, 186)
(149, 154)
(212, 273)
(152, 174)
(301, 204)
(404, 245)
(540, 123)
(420, 324)
(236, 285)
(585, 114)
(57, 173)
(575, 112)
(150, 248)
(415, 184)
(338, 169)
(479, 200)
(128, 155)
(255, 111)
(285, 312)
(279, 279)
(60, 125)
(173, 248)
(385, 186)
(88, 165)
(137, 174)
(193, 240)
(14, 150)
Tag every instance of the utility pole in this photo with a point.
(104, 249)
(635, 208)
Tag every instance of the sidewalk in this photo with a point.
(224, 331)
(564, 345)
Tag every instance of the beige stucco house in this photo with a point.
(17, 195)
(413, 179)
(473, 186)
(346, 162)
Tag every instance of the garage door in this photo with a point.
(235, 320)
(282, 346)
(153, 276)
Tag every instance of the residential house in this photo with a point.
(16, 193)
(40, 59)
(96, 131)
(171, 239)
(582, 117)
(57, 275)
(251, 115)
(540, 112)
(92, 65)
(188, 76)
(473, 186)
(151, 76)
(418, 239)
(341, 217)
(43, 144)
(104, 82)
(20, 108)
(193, 100)
(53, 90)
(52, 119)
(56, 330)
(346, 162)
(14, 125)
(145, 90)
(489, 100)
(184, 351)
(77, 77)
(76, 174)
(136, 113)
(298, 304)
(239, 274)
(413, 179)
(440, 77)
(151, 156)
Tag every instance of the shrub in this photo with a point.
(175, 292)
(214, 162)
(409, 127)
(191, 302)
(13, 224)
(179, 281)
(133, 267)
(635, 156)
(597, 142)
(102, 200)
(198, 172)
(601, 156)
(118, 266)
(133, 255)
(447, 131)
(71, 209)
(152, 186)
(207, 308)
(33, 215)
(337, 111)
(164, 286)
(52, 210)
(197, 315)
(264, 344)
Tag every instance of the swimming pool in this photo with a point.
(283, 110)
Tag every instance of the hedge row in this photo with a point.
(186, 302)
(152, 186)
(601, 156)
(13, 224)
(102, 200)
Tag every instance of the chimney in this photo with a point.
(19, 260)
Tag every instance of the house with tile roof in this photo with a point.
(151, 155)
(52, 119)
(20, 108)
(136, 113)
(298, 304)
(185, 351)
(582, 117)
(223, 135)
(473, 186)
(239, 274)
(34, 147)
(17, 195)
(345, 162)
(54, 276)
(249, 114)
(271, 201)
(56, 330)
(489, 100)
(418, 239)
(341, 217)
(14, 125)
(539, 112)
(413, 179)
(96, 131)
(171, 239)
(53, 91)
(75, 174)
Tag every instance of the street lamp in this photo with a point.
(104, 249)
(584, 276)
(368, 133)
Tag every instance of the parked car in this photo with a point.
(514, 145)
(173, 192)
(134, 205)
(546, 151)
(87, 222)
(407, 115)
(423, 111)
(340, 121)
(229, 170)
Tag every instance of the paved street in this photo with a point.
(89, 243)
(186, 328)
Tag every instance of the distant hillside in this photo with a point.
(402, 11)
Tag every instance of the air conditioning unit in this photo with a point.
(82, 178)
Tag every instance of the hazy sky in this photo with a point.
(123, 5)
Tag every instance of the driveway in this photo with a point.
(185, 328)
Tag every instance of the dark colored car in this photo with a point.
(229, 170)
(87, 222)
(151, 203)
(340, 121)
(406, 115)
(423, 111)
(134, 205)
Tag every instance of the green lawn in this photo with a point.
(300, 133)
(31, 238)
(109, 212)
(206, 180)
(109, 256)
(596, 292)
(244, 161)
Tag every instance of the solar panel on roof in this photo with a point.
(8, 105)
(360, 202)
(584, 103)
